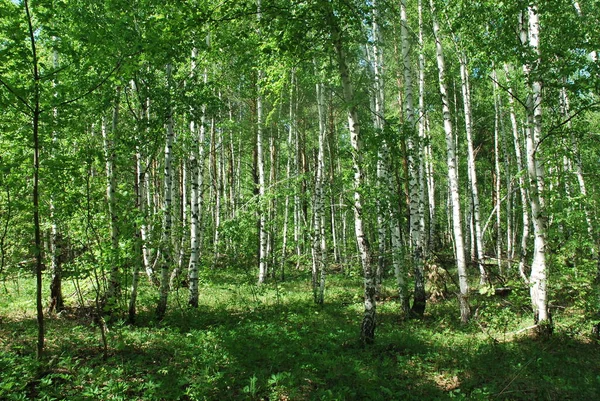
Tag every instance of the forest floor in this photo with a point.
(274, 343)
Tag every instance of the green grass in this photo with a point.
(273, 343)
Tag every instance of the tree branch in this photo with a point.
(509, 91)
(93, 88)
(15, 94)
(565, 121)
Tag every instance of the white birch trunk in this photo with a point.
(111, 187)
(262, 229)
(218, 200)
(288, 175)
(298, 223)
(414, 156)
(319, 252)
(429, 178)
(147, 204)
(478, 238)
(139, 257)
(198, 204)
(521, 177)
(165, 243)
(423, 160)
(139, 205)
(452, 175)
(499, 121)
(271, 213)
(538, 276)
(382, 155)
(426, 163)
(497, 182)
(195, 192)
(369, 322)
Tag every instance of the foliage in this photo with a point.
(273, 342)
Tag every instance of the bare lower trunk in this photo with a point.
(111, 187)
(137, 248)
(521, 177)
(319, 251)
(414, 157)
(262, 218)
(166, 250)
(369, 322)
(478, 241)
(452, 176)
(538, 277)
(197, 180)
(56, 297)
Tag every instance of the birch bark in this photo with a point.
(452, 173)
(466, 92)
(288, 173)
(195, 192)
(538, 276)
(165, 242)
(521, 177)
(139, 206)
(111, 187)
(414, 157)
(319, 251)
(369, 322)
(262, 229)
(383, 200)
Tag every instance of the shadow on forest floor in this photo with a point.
(249, 343)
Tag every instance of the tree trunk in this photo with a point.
(288, 174)
(36, 111)
(262, 221)
(452, 175)
(383, 201)
(165, 242)
(139, 262)
(319, 250)
(538, 277)
(369, 322)
(414, 157)
(478, 238)
(114, 280)
(522, 184)
(56, 302)
(197, 181)
(137, 251)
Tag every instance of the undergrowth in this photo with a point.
(272, 343)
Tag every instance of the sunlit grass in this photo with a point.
(272, 342)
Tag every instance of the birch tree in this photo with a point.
(196, 181)
(414, 162)
(521, 177)
(369, 322)
(166, 251)
(111, 187)
(472, 171)
(260, 164)
(319, 249)
(452, 172)
(538, 276)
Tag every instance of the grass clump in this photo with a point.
(273, 343)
